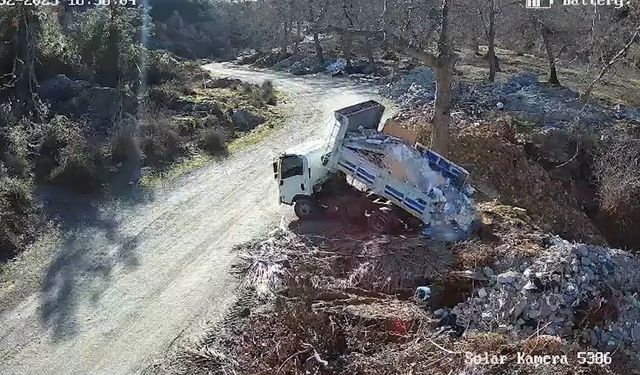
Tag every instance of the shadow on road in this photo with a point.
(93, 246)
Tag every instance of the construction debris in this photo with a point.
(588, 292)
(413, 88)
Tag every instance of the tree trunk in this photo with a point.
(491, 52)
(285, 36)
(369, 51)
(546, 39)
(475, 42)
(316, 38)
(442, 110)
(316, 42)
(296, 47)
(444, 70)
(346, 47)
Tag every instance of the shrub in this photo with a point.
(166, 95)
(617, 170)
(213, 141)
(14, 142)
(162, 67)
(65, 159)
(160, 142)
(267, 93)
(59, 133)
(125, 146)
(16, 214)
(77, 169)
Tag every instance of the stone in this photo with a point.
(635, 333)
(244, 120)
(507, 277)
(530, 285)
(482, 293)
(534, 314)
(61, 88)
(517, 310)
(488, 271)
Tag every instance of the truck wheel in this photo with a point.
(382, 222)
(305, 208)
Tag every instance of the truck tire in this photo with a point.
(305, 208)
(382, 222)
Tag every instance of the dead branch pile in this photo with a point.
(386, 264)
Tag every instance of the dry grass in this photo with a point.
(617, 169)
(621, 86)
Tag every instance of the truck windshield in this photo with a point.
(291, 166)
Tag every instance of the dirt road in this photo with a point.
(130, 278)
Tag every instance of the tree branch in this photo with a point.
(585, 97)
(395, 41)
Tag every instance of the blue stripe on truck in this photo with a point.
(364, 172)
(392, 191)
(413, 204)
(364, 176)
(347, 167)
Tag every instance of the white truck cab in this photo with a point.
(298, 173)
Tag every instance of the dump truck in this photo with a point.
(364, 174)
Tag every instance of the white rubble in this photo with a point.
(570, 289)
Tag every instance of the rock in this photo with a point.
(517, 310)
(223, 82)
(519, 82)
(482, 293)
(530, 285)
(441, 313)
(635, 333)
(507, 277)
(488, 271)
(244, 120)
(61, 88)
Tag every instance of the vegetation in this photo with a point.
(90, 101)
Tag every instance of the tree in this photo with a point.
(315, 19)
(609, 64)
(492, 8)
(403, 32)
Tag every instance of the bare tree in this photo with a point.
(607, 66)
(442, 61)
(489, 10)
(314, 25)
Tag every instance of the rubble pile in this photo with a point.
(584, 291)
(299, 65)
(337, 67)
(522, 96)
(526, 98)
(344, 303)
(414, 88)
